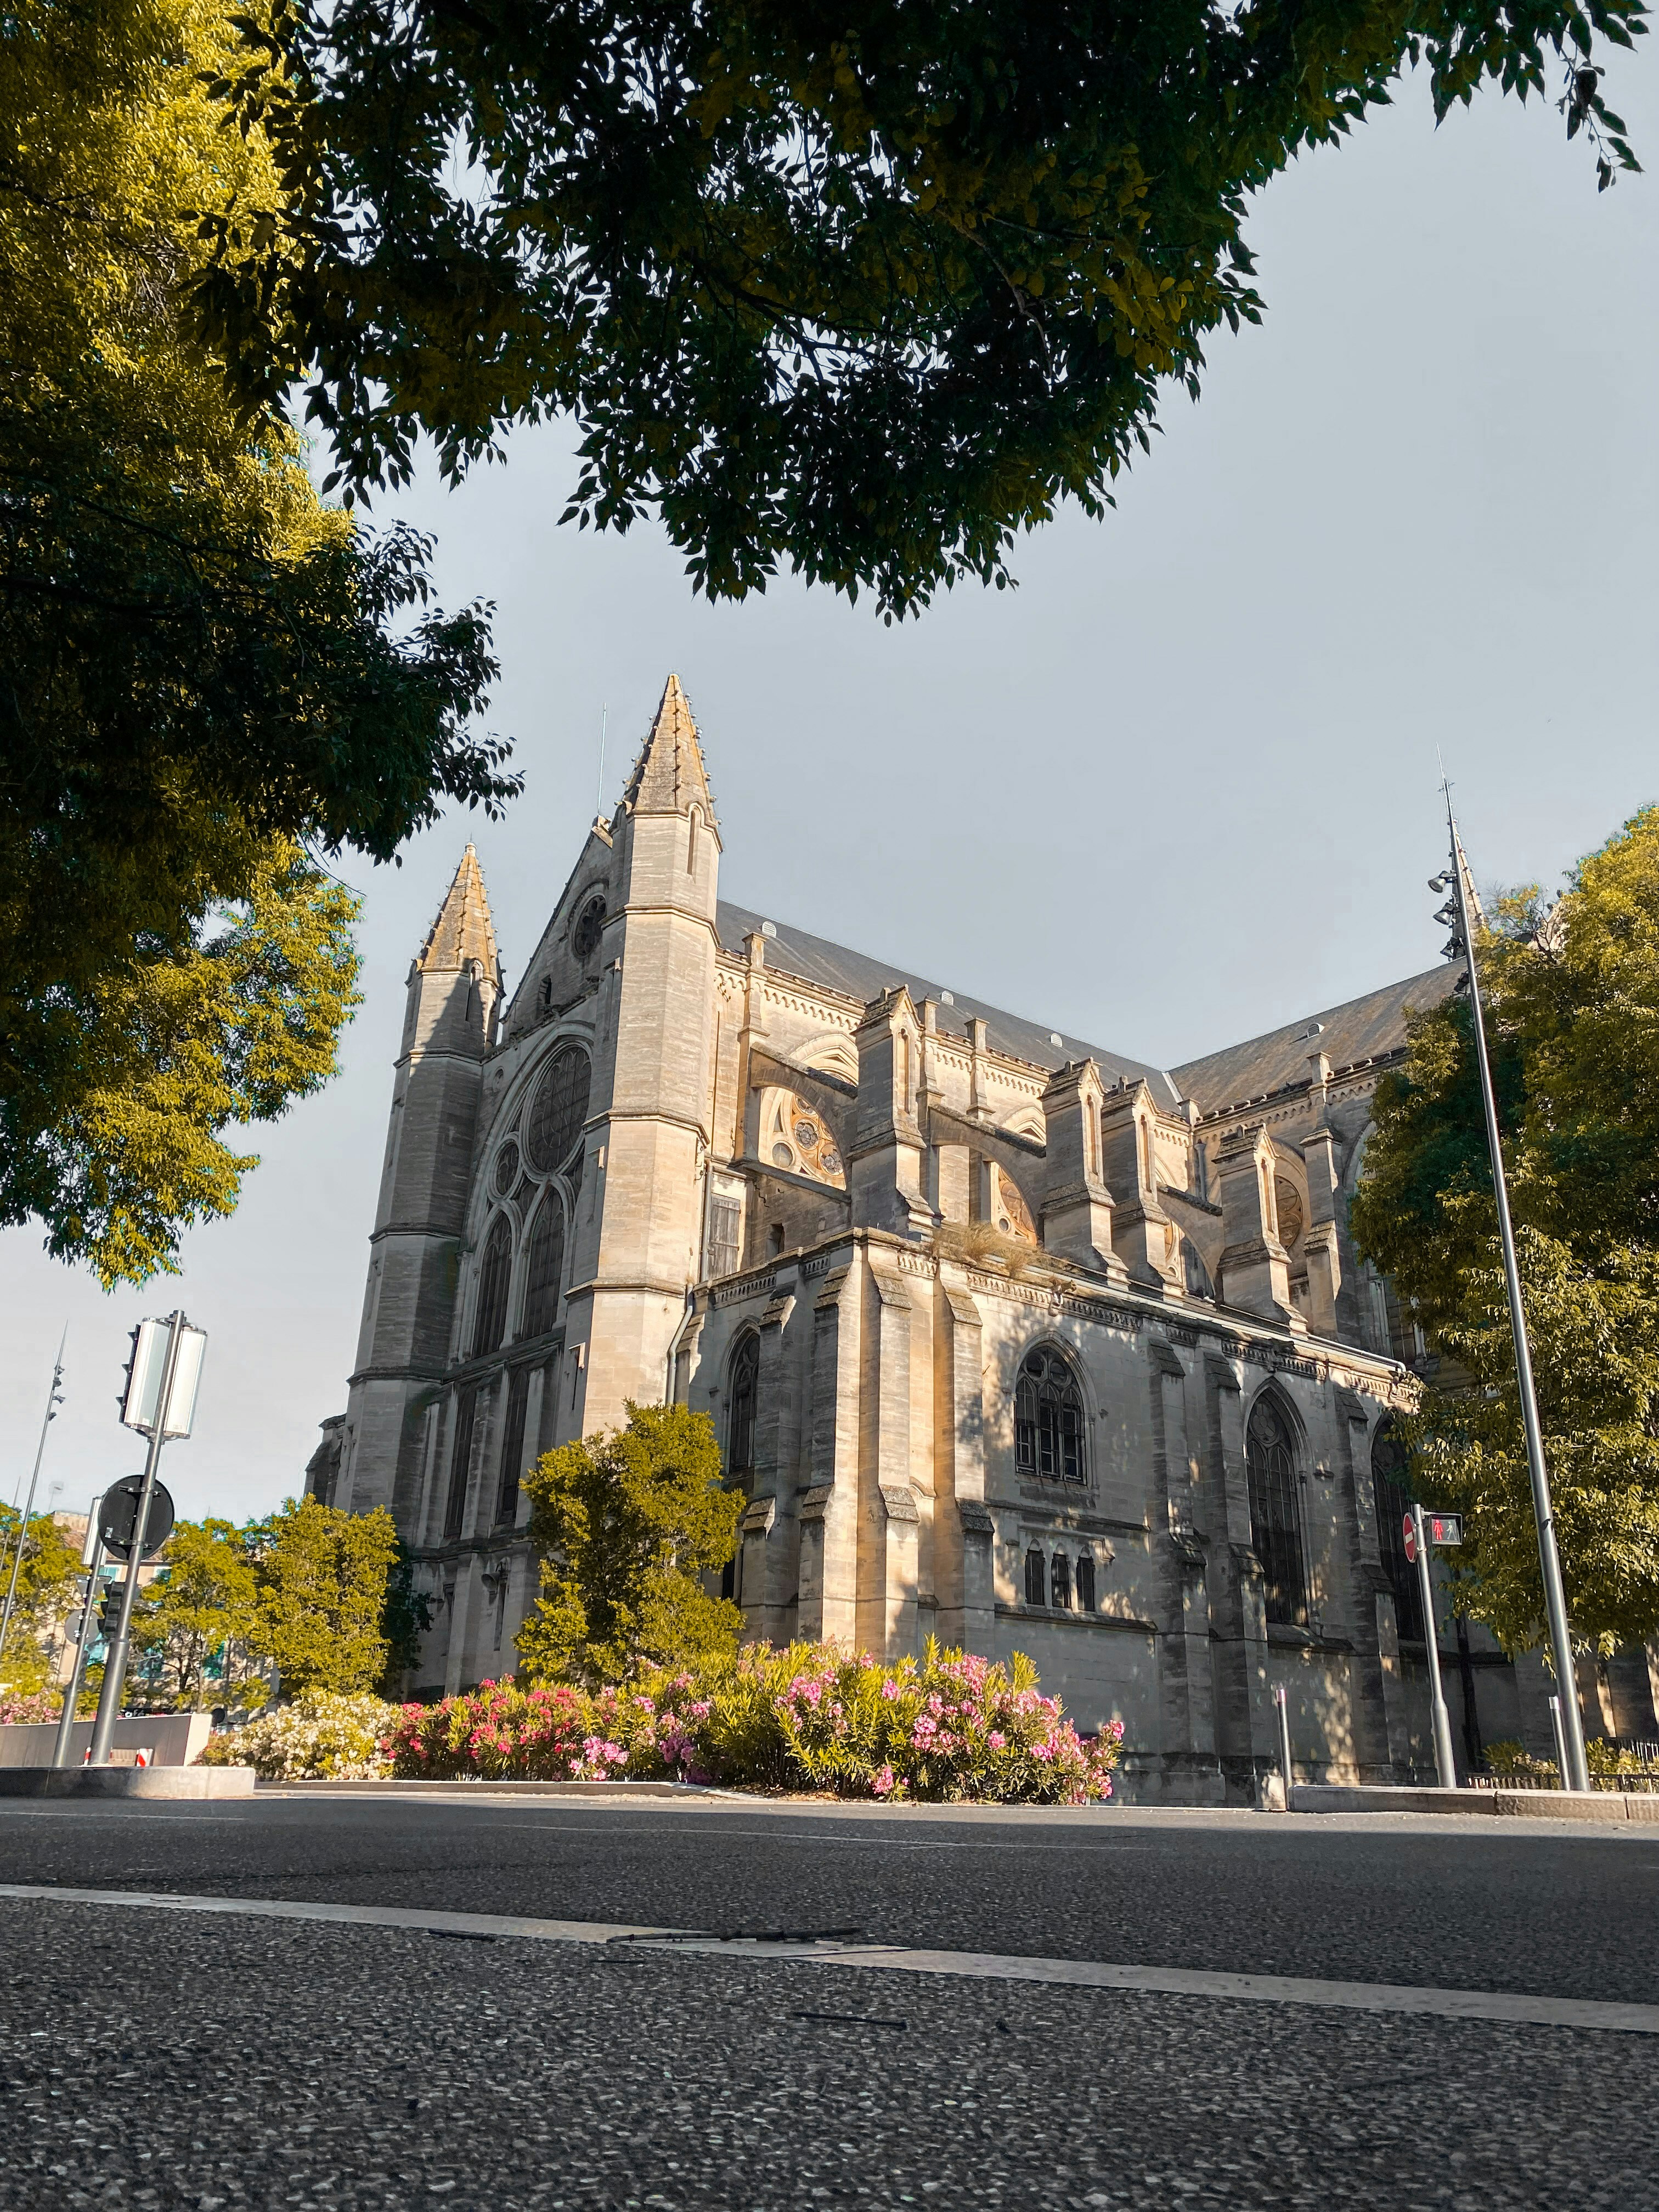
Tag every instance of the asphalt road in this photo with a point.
(161, 2060)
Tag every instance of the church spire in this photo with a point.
(670, 777)
(462, 931)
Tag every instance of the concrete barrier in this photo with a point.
(126, 1781)
(1605, 1806)
(176, 1739)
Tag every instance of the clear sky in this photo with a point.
(1177, 789)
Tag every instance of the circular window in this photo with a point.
(806, 1135)
(590, 925)
(782, 1157)
(558, 1109)
(507, 1167)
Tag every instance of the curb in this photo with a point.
(379, 1786)
(1604, 1808)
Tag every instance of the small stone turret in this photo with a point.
(1255, 1272)
(1144, 1238)
(1077, 1205)
(885, 1161)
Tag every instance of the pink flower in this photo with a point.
(881, 1784)
(890, 1690)
(997, 1741)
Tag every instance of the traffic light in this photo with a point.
(109, 1611)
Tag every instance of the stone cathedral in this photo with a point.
(1007, 1338)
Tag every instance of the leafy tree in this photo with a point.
(118, 1090)
(1572, 1004)
(46, 1578)
(405, 1618)
(862, 290)
(201, 1612)
(627, 1523)
(322, 1590)
(203, 665)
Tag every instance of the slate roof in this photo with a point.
(1362, 1028)
(856, 976)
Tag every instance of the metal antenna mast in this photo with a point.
(1576, 1774)
(599, 798)
(54, 1398)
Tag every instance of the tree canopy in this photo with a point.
(203, 666)
(1572, 1007)
(862, 290)
(322, 1575)
(198, 1626)
(47, 1579)
(115, 1092)
(627, 1523)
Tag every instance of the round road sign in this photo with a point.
(117, 1516)
(1411, 1538)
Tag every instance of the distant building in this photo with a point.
(1007, 1338)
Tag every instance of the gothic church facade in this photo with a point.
(1007, 1338)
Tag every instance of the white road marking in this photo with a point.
(1507, 2006)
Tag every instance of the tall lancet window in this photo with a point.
(746, 1391)
(495, 1273)
(1394, 1502)
(1276, 1514)
(545, 1267)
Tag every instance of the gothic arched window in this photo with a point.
(1392, 1504)
(495, 1273)
(545, 1268)
(1048, 1419)
(1060, 1583)
(1037, 1583)
(1276, 1514)
(745, 1389)
(460, 1462)
(590, 926)
(559, 1108)
(506, 1488)
(1085, 1584)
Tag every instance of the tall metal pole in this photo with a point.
(115, 1664)
(53, 1395)
(93, 1558)
(1575, 1775)
(1445, 1765)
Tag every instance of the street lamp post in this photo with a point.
(1576, 1772)
(92, 1555)
(54, 1398)
(1445, 1765)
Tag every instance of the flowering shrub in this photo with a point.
(948, 1728)
(325, 1737)
(503, 1732)
(952, 1727)
(29, 1705)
